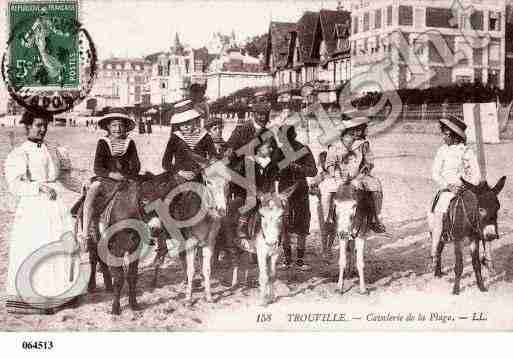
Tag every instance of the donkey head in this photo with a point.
(489, 206)
(271, 213)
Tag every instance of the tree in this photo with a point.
(256, 45)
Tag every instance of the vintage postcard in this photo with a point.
(256, 166)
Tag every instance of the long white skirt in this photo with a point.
(38, 222)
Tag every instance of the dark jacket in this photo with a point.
(127, 164)
(241, 136)
(177, 156)
(298, 219)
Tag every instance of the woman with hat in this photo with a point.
(351, 161)
(454, 160)
(33, 174)
(116, 160)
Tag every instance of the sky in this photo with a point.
(134, 28)
(137, 27)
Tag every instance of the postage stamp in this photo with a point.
(44, 48)
(50, 61)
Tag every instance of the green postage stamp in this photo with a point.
(44, 44)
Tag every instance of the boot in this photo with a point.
(376, 200)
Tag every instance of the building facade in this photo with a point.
(422, 39)
(233, 70)
(314, 51)
(174, 71)
(122, 82)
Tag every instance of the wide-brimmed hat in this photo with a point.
(184, 111)
(352, 123)
(455, 124)
(116, 114)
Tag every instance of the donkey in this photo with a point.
(352, 217)
(265, 242)
(204, 231)
(127, 204)
(472, 215)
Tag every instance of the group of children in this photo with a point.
(348, 161)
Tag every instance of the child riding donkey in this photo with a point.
(188, 142)
(351, 161)
(453, 162)
(116, 162)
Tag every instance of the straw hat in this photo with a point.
(455, 124)
(184, 112)
(116, 114)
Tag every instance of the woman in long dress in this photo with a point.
(31, 172)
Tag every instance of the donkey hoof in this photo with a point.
(263, 302)
(482, 288)
(456, 291)
(116, 309)
(364, 291)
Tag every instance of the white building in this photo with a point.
(122, 82)
(174, 71)
(463, 26)
(232, 71)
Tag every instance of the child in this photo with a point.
(266, 172)
(215, 129)
(350, 162)
(454, 160)
(116, 160)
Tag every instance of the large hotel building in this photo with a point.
(475, 28)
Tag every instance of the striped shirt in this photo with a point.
(191, 139)
(118, 145)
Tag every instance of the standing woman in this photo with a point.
(31, 171)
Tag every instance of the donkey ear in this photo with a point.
(499, 186)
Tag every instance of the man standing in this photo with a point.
(298, 215)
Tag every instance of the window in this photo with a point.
(377, 19)
(478, 76)
(495, 21)
(440, 17)
(478, 57)
(355, 25)
(198, 65)
(493, 78)
(477, 20)
(389, 16)
(405, 15)
(366, 21)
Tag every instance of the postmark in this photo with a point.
(50, 61)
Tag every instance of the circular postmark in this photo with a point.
(50, 64)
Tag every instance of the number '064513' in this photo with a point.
(37, 345)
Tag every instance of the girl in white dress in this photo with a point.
(31, 172)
